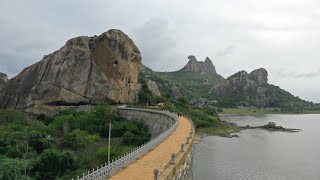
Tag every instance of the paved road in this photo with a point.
(158, 157)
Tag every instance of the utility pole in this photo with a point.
(109, 143)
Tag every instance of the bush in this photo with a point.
(53, 163)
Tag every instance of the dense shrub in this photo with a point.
(65, 145)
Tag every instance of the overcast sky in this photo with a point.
(282, 36)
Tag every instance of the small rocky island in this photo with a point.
(271, 126)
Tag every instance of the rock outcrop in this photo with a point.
(145, 69)
(197, 102)
(153, 87)
(199, 66)
(248, 87)
(260, 76)
(3, 80)
(87, 70)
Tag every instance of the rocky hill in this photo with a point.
(3, 80)
(243, 89)
(85, 71)
(200, 84)
(192, 82)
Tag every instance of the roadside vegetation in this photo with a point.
(64, 146)
(205, 119)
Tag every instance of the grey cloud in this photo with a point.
(284, 73)
(157, 44)
(166, 35)
(229, 50)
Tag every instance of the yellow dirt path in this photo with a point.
(159, 157)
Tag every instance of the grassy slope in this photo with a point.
(197, 84)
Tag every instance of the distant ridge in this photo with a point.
(199, 83)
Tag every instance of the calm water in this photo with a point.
(260, 154)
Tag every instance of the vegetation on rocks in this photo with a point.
(204, 86)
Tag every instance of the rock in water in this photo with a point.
(3, 80)
(87, 70)
(270, 125)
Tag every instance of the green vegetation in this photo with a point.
(205, 119)
(197, 84)
(192, 85)
(64, 146)
(250, 111)
(145, 95)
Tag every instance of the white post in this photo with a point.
(109, 143)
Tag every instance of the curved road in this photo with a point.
(159, 157)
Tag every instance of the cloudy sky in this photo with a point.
(282, 36)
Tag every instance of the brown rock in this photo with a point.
(87, 70)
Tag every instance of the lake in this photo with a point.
(260, 154)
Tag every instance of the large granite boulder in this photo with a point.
(86, 71)
(153, 88)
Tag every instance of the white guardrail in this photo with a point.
(107, 170)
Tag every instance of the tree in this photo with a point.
(129, 138)
(53, 163)
(11, 168)
(23, 148)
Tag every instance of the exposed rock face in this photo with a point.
(260, 76)
(197, 102)
(176, 92)
(145, 69)
(153, 87)
(3, 80)
(199, 66)
(87, 70)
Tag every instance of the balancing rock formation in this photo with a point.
(199, 66)
(86, 71)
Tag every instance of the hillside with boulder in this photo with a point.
(200, 84)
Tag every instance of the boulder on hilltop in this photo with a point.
(199, 66)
